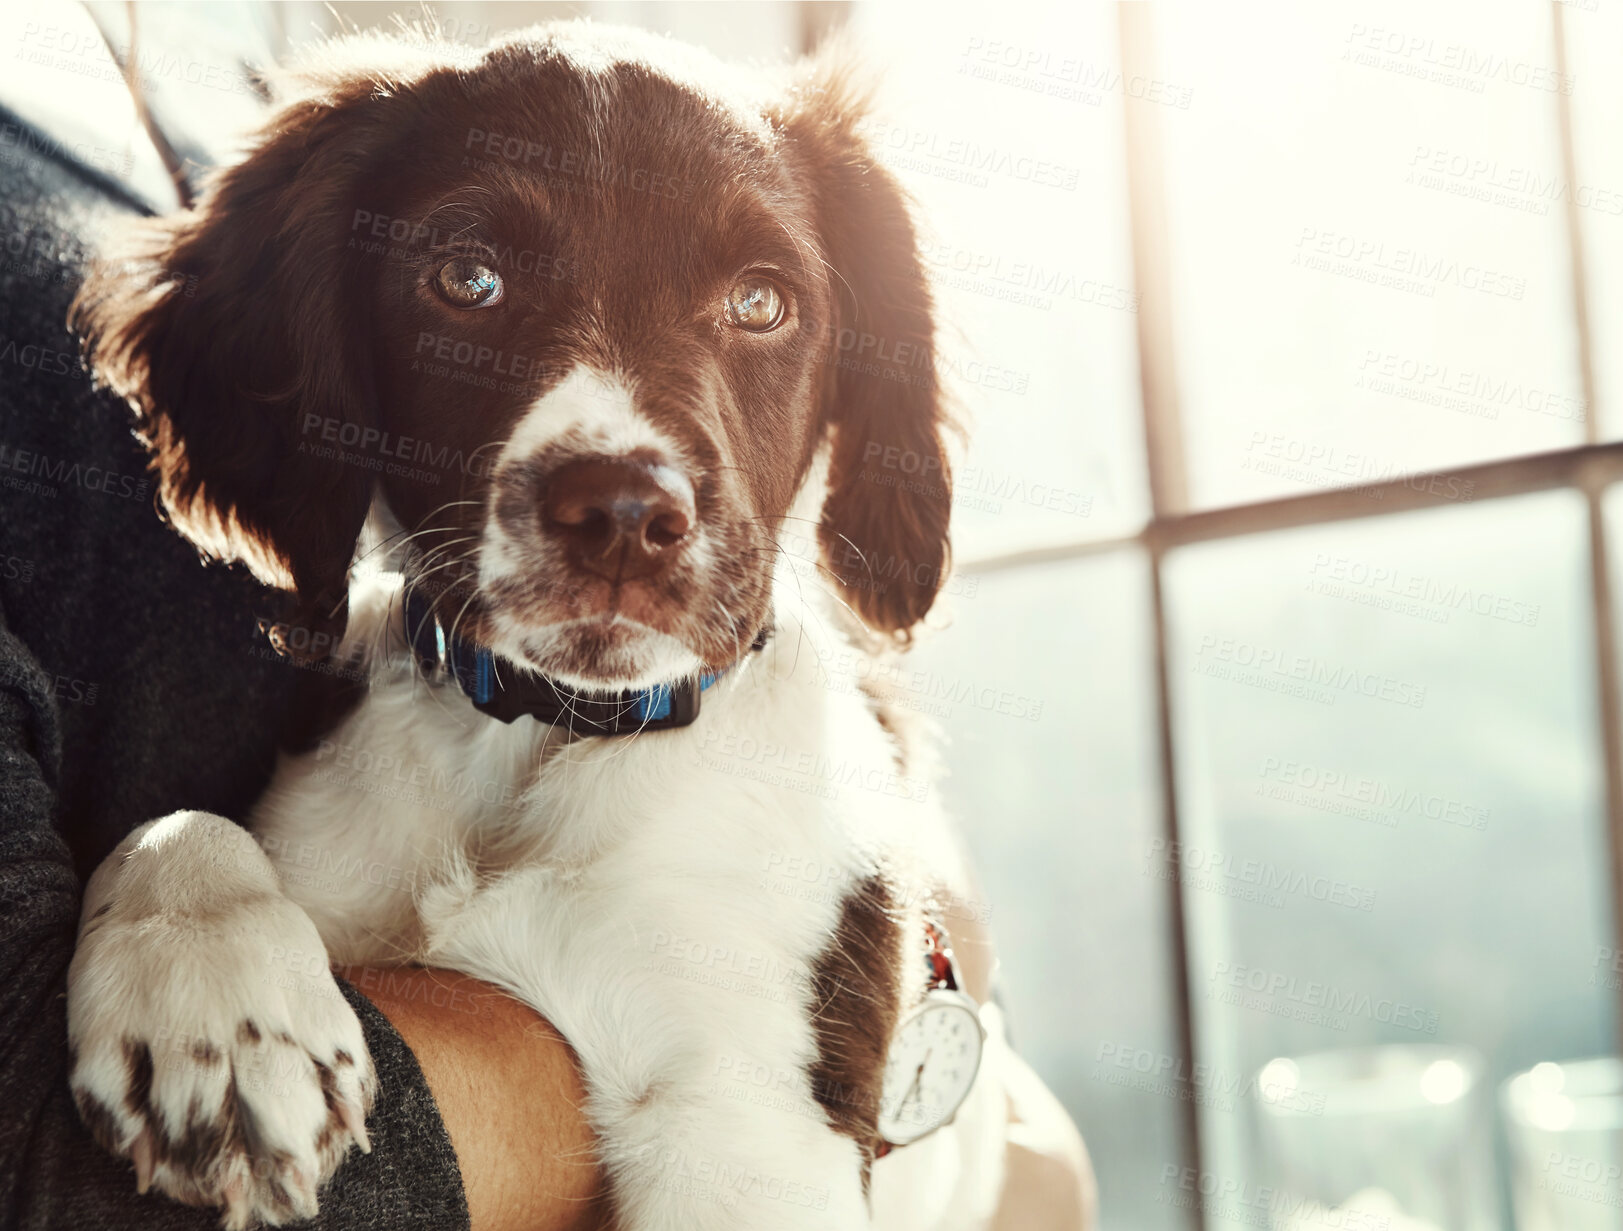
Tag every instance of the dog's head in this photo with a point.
(582, 309)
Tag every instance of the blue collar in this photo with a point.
(506, 691)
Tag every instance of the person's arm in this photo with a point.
(509, 1092)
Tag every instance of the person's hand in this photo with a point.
(509, 1092)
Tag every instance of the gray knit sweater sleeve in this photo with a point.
(132, 683)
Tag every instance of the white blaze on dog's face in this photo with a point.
(581, 308)
(585, 458)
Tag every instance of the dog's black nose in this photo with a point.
(621, 518)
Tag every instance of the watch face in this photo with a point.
(930, 1067)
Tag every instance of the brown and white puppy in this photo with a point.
(561, 331)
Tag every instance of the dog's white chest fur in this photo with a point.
(663, 899)
(783, 771)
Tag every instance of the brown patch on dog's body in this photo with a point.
(856, 1000)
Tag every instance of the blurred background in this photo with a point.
(1280, 666)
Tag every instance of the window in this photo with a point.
(1329, 718)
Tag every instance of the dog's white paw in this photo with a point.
(213, 1049)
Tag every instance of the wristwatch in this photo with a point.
(934, 1054)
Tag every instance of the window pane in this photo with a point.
(1392, 800)
(1005, 123)
(1369, 274)
(1059, 806)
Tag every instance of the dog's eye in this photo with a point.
(468, 283)
(755, 304)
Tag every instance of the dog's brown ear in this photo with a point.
(884, 527)
(233, 331)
